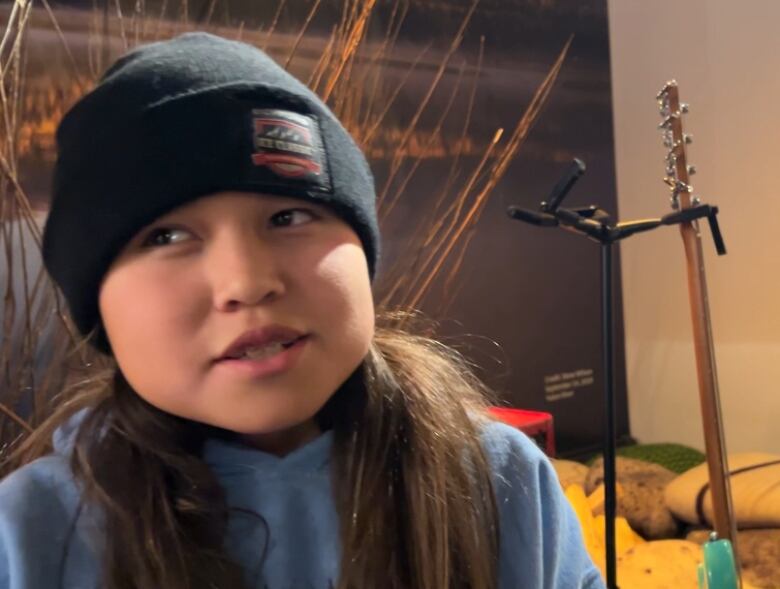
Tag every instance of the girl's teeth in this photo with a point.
(263, 352)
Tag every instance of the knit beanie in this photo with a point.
(176, 120)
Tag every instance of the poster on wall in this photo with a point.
(463, 108)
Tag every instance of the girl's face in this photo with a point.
(191, 283)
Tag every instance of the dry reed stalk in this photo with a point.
(15, 418)
(273, 24)
(210, 12)
(388, 43)
(370, 77)
(302, 32)
(353, 38)
(453, 240)
(401, 190)
(121, 21)
(160, 19)
(496, 173)
(11, 66)
(386, 208)
(322, 64)
(185, 12)
(452, 175)
(412, 296)
(368, 135)
(66, 47)
(28, 313)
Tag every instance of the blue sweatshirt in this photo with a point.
(42, 548)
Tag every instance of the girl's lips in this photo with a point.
(259, 337)
(263, 367)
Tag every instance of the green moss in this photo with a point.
(675, 457)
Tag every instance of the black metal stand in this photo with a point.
(610, 413)
(594, 223)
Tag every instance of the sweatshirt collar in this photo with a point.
(231, 457)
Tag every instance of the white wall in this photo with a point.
(726, 57)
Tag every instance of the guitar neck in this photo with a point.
(709, 395)
(678, 178)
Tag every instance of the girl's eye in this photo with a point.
(164, 236)
(290, 217)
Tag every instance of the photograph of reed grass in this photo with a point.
(463, 107)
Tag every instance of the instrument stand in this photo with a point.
(594, 223)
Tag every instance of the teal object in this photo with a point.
(719, 569)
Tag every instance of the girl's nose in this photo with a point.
(243, 271)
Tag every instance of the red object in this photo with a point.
(538, 425)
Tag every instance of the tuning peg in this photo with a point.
(665, 89)
(667, 122)
(688, 138)
(684, 108)
(677, 186)
(691, 170)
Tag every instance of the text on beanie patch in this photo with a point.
(288, 144)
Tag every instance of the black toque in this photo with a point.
(176, 120)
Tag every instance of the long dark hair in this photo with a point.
(411, 481)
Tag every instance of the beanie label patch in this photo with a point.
(289, 145)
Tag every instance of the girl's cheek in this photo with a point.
(345, 288)
(144, 299)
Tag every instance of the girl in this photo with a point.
(213, 229)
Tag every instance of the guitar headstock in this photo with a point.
(678, 171)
